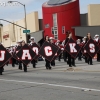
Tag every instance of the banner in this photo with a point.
(4, 55)
(48, 51)
(26, 54)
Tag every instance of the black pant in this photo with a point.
(71, 61)
(79, 56)
(20, 65)
(86, 59)
(25, 67)
(33, 63)
(98, 57)
(47, 64)
(13, 62)
(7, 63)
(53, 63)
(65, 55)
(1, 70)
(90, 60)
(59, 57)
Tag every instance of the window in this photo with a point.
(55, 20)
(55, 32)
(63, 29)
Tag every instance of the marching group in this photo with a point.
(66, 56)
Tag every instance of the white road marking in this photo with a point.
(54, 85)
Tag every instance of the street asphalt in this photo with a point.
(60, 83)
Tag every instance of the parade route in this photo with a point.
(59, 83)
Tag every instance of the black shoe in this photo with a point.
(74, 65)
(47, 68)
(70, 66)
(0, 73)
(13, 65)
(34, 67)
(50, 67)
(3, 70)
(25, 70)
(67, 62)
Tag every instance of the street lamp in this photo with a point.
(25, 16)
(1, 25)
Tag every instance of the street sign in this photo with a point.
(26, 31)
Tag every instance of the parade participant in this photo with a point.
(52, 42)
(32, 39)
(71, 60)
(64, 52)
(83, 43)
(25, 67)
(47, 62)
(12, 50)
(2, 67)
(19, 46)
(97, 40)
(80, 53)
(7, 61)
(60, 46)
(89, 57)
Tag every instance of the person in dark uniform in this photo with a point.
(25, 67)
(80, 53)
(71, 60)
(19, 45)
(32, 39)
(83, 43)
(7, 61)
(47, 62)
(12, 52)
(89, 57)
(97, 40)
(52, 42)
(60, 46)
(64, 52)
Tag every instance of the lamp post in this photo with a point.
(25, 16)
(1, 25)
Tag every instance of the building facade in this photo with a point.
(94, 14)
(60, 16)
(11, 33)
(90, 22)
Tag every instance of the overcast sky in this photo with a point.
(14, 11)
